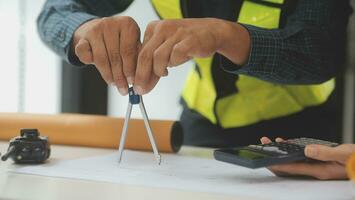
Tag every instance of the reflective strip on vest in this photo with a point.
(256, 100)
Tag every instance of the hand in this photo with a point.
(168, 43)
(332, 165)
(112, 45)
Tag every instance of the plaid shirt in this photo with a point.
(305, 51)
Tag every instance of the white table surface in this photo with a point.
(23, 186)
(20, 186)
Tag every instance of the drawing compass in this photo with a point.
(137, 99)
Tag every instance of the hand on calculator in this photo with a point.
(331, 165)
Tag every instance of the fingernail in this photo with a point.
(112, 84)
(130, 80)
(311, 151)
(278, 139)
(122, 91)
(138, 90)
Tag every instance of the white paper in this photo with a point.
(191, 173)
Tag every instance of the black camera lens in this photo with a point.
(29, 133)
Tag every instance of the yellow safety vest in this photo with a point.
(256, 100)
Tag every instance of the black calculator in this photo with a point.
(263, 155)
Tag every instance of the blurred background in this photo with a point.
(34, 80)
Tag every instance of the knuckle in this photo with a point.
(126, 20)
(193, 32)
(152, 24)
(128, 71)
(105, 23)
(157, 55)
(144, 56)
(105, 20)
(119, 78)
(140, 79)
(115, 57)
(164, 28)
(100, 59)
(129, 24)
(98, 26)
(150, 28)
(129, 51)
(129, 68)
(181, 31)
(95, 30)
(178, 50)
(133, 31)
(161, 25)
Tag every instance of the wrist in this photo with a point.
(233, 41)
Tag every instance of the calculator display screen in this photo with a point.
(251, 155)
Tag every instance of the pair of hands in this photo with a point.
(331, 166)
(113, 45)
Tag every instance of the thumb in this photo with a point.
(325, 153)
(84, 52)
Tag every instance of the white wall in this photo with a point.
(163, 101)
(42, 69)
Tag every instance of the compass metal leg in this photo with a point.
(124, 132)
(149, 131)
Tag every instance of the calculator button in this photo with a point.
(271, 148)
(256, 146)
(306, 141)
(274, 149)
(282, 152)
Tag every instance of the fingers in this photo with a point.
(182, 51)
(169, 43)
(149, 32)
(323, 171)
(265, 140)
(196, 43)
(332, 168)
(325, 153)
(145, 77)
(112, 42)
(161, 55)
(129, 46)
(157, 54)
(101, 59)
(151, 83)
(144, 72)
(84, 52)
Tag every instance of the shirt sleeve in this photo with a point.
(60, 18)
(304, 51)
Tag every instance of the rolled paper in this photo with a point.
(350, 167)
(93, 130)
